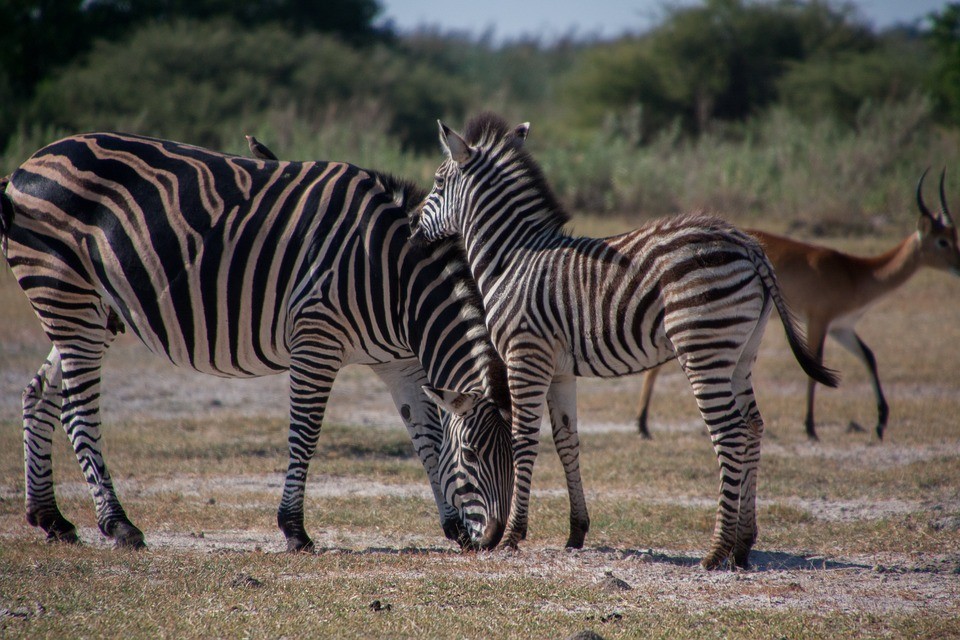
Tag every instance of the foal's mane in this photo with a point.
(491, 133)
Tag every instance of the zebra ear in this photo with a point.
(519, 134)
(453, 401)
(453, 145)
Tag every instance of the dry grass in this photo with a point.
(858, 538)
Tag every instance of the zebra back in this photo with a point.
(188, 244)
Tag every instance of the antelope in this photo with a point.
(831, 290)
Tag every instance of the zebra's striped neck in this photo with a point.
(494, 247)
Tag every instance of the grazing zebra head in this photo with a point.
(495, 166)
(475, 460)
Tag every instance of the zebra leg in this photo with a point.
(81, 364)
(747, 513)
(643, 406)
(406, 379)
(528, 388)
(562, 403)
(728, 432)
(750, 413)
(313, 368)
(41, 416)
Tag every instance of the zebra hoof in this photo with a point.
(510, 546)
(63, 537)
(740, 558)
(716, 559)
(578, 533)
(574, 542)
(57, 528)
(299, 544)
(127, 536)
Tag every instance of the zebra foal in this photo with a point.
(240, 267)
(557, 306)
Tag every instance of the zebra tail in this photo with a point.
(798, 344)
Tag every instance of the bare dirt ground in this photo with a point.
(888, 583)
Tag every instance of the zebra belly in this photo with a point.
(599, 361)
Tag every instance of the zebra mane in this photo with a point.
(491, 133)
(408, 195)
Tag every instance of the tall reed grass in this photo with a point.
(777, 169)
(821, 175)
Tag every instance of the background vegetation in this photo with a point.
(790, 114)
(858, 539)
(790, 110)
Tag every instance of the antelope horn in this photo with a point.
(920, 203)
(943, 201)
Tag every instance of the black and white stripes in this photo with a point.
(692, 288)
(245, 267)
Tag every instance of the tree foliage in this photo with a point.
(203, 70)
(187, 79)
(945, 40)
(719, 61)
(41, 35)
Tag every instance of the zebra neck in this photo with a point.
(500, 246)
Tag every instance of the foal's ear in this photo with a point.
(453, 401)
(453, 145)
(519, 134)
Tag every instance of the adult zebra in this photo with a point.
(558, 306)
(240, 267)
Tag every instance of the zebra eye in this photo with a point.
(438, 182)
(470, 455)
(943, 243)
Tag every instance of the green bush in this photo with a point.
(822, 174)
(188, 79)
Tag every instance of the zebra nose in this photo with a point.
(491, 534)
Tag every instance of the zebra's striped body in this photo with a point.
(240, 267)
(558, 307)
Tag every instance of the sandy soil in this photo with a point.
(887, 583)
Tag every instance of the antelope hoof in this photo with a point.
(854, 427)
(642, 427)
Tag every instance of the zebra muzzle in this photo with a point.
(491, 534)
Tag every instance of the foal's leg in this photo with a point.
(529, 375)
(562, 403)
